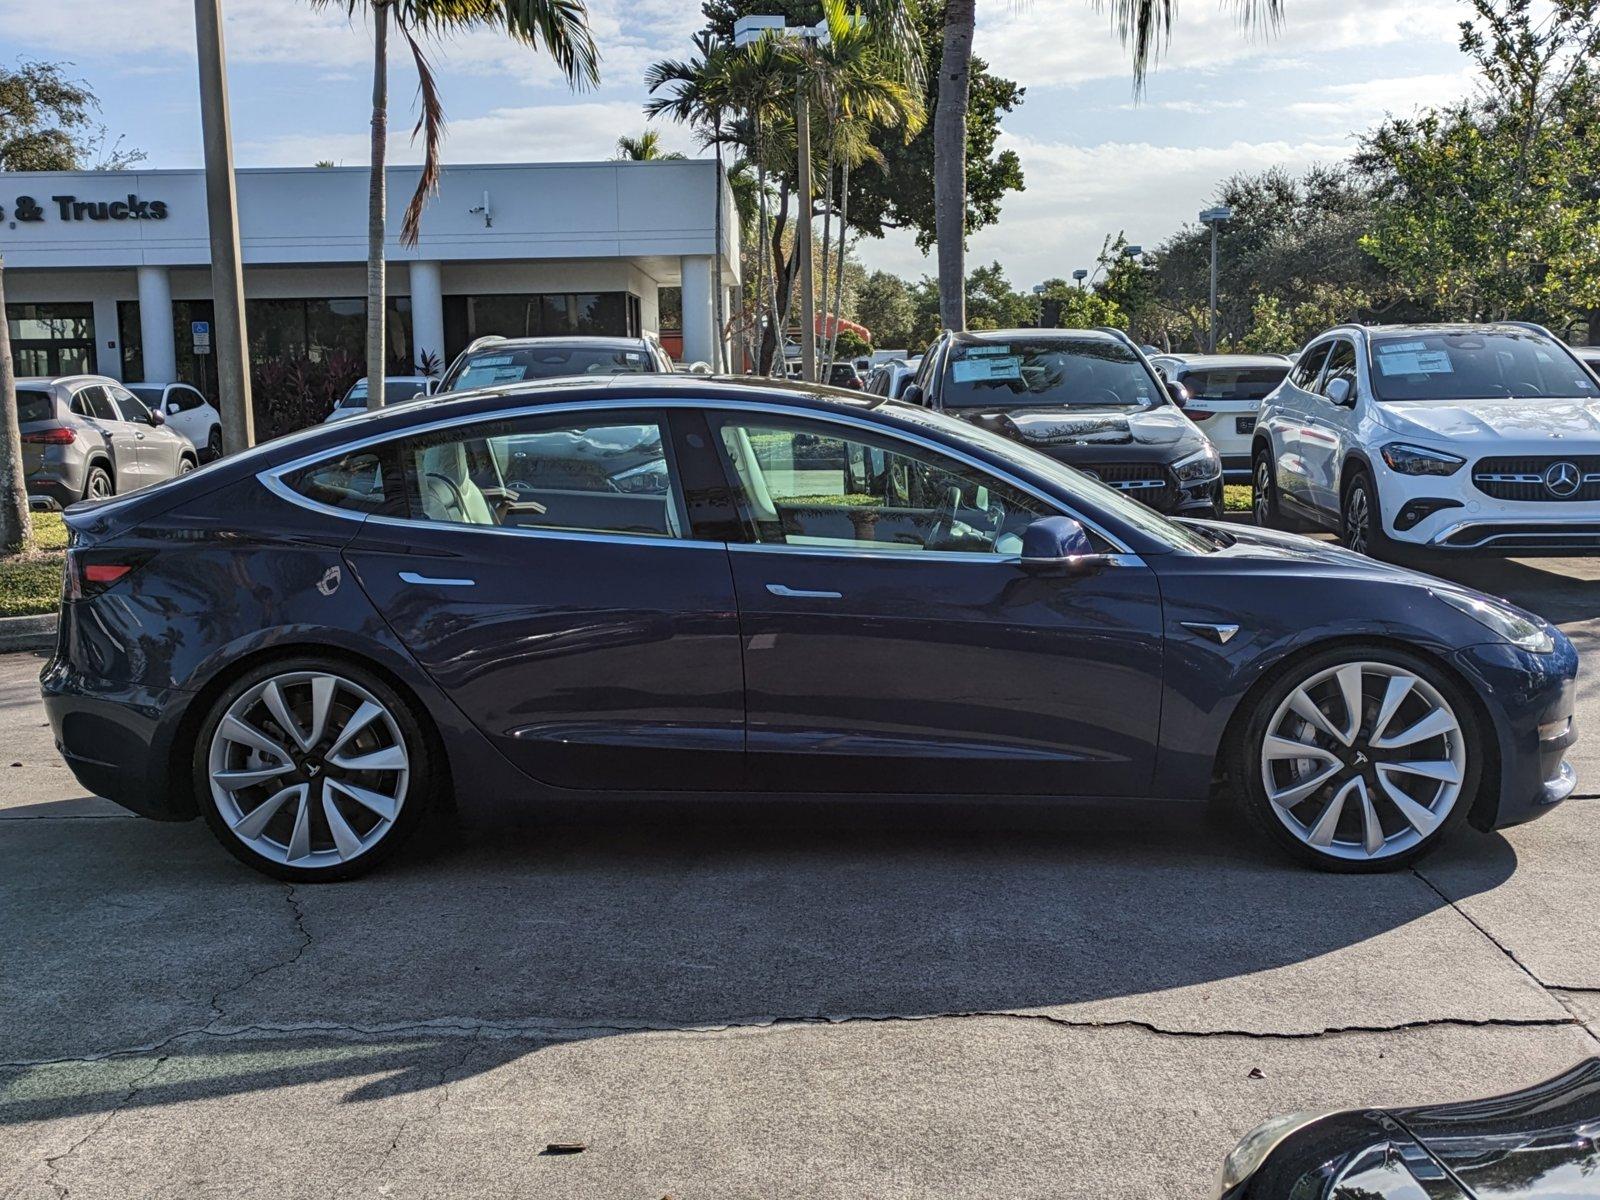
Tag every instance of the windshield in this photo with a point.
(150, 395)
(1037, 372)
(513, 365)
(394, 391)
(1469, 364)
(34, 405)
(1234, 383)
(1095, 494)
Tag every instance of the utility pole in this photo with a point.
(802, 238)
(222, 214)
(1215, 218)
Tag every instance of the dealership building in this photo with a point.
(109, 271)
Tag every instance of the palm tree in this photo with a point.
(16, 525)
(644, 148)
(1145, 24)
(559, 27)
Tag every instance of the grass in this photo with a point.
(31, 583)
(1236, 497)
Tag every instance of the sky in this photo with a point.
(1097, 160)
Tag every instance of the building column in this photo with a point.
(427, 312)
(155, 325)
(107, 338)
(698, 335)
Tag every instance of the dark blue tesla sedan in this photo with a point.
(644, 585)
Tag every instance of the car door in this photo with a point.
(122, 436)
(1328, 430)
(186, 413)
(894, 643)
(159, 448)
(1286, 425)
(541, 570)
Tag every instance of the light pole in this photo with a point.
(1214, 219)
(1079, 276)
(222, 214)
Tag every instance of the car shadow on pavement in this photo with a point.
(1538, 585)
(153, 969)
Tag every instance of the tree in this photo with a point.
(16, 526)
(644, 148)
(47, 123)
(883, 305)
(1489, 208)
(1143, 23)
(559, 27)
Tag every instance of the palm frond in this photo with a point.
(431, 120)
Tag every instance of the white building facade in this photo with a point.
(110, 271)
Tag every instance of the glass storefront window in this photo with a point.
(614, 314)
(51, 339)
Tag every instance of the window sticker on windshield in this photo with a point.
(986, 370)
(987, 351)
(498, 360)
(1400, 347)
(1422, 362)
(632, 356)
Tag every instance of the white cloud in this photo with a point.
(1359, 103)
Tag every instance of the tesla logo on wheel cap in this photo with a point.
(1562, 479)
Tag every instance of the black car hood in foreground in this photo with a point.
(1163, 425)
(1543, 1142)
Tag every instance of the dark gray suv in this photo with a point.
(85, 437)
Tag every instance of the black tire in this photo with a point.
(214, 444)
(417, 798)
(98, 484)
(185, 465)
(1242, 756)
(1264, 492)
(1361, 526)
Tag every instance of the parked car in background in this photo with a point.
(85, 437)
(843, 375)
(1224, 392)
(1589, 356)
(397, 389)
(466, 598)
(1539, 1143)
(1087, 397)
(492, 361)
(186, 411)
(890, 378)
(1448, 438)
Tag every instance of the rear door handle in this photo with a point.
(413, 577)
(778, 589)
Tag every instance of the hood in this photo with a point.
(1487, 423)
(1250, 541)
(1163, 425)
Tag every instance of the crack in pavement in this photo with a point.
(305, 944)
(1549, 989)
(52, 1163)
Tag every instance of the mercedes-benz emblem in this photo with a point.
(1562, 479)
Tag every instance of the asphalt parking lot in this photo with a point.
(837, 1003)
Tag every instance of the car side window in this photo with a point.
(811, 484)
(92, 401)
(611, 474)
(130, 406)
(355, 482)
(924, 376)
(1304, 375)
(181, 400)
(1341, 365)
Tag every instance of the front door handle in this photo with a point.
(778, 589)
(413, 577)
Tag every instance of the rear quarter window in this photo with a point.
(34, 405)
(356, 483)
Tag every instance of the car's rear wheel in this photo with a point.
(214, 445)
(312, 770)
(98, 485)
(1358, 758)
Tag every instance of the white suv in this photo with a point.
(1439, 437)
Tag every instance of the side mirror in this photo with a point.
(911, 394)
(1054, 542)
(1340, 392)
(1179, 393)
(156, 418)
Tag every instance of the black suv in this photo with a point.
(1087, 397)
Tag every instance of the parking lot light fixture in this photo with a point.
(1214, 219)
(1079, 276)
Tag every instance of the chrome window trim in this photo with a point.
(952, 556)
(272, 477)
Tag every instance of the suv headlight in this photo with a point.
(1198, 467)
(1419, 460)
(1516, 627)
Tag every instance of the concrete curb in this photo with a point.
(27, 633)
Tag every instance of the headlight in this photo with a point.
(1203, 464)
(1246, 1158)
(1517, 628)
(1419, 460)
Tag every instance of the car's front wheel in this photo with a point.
(312, 770)
(214, 445)
(1358, 758)
(1264, 492)
(1361, 525)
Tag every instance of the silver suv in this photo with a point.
(85, 437)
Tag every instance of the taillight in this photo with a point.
(90, 572)
(58, 435)
(1198, 414)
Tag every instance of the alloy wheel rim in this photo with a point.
(1363, 760)
(1355, 520)
(308, 769)
(1263, 481)
(99, 487)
